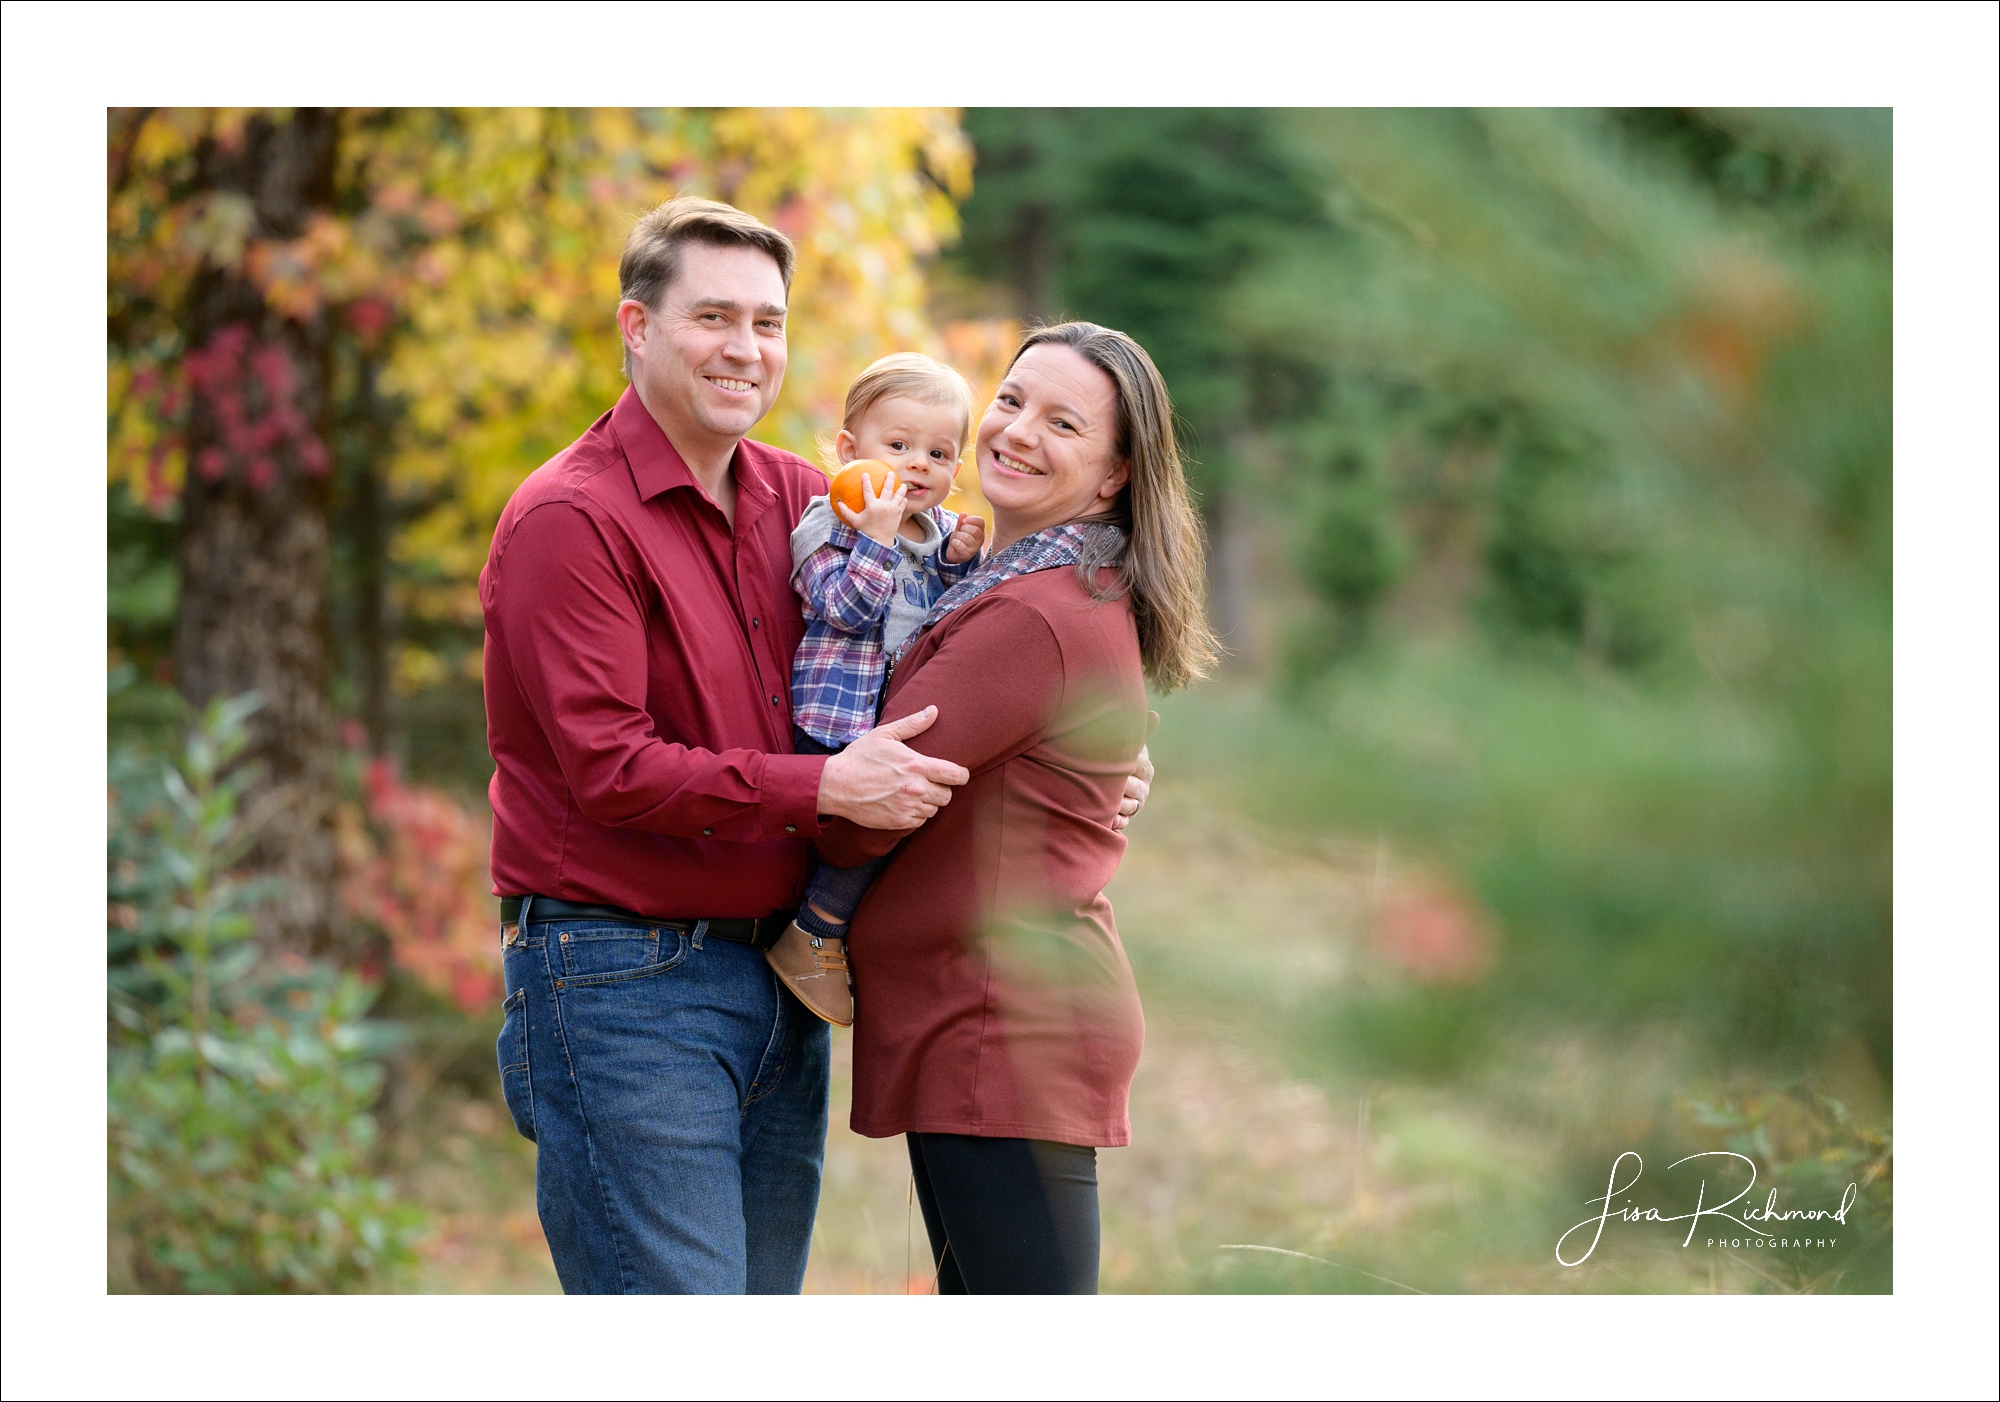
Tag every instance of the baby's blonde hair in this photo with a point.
(908, 375)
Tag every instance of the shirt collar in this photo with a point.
(657, 465)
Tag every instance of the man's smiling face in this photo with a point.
(711, 357)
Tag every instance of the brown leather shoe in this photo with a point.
(815, 968)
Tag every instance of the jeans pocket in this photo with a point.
(516, 1082)
(610, 953)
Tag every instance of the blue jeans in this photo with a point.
(677, 1097)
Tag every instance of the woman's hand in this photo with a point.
(966, 539)
(880, 517)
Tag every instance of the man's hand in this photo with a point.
(1139, 782)
(879, 782)
(880, 517)
(966, 539)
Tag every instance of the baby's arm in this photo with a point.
(849, 589)
(961, 551)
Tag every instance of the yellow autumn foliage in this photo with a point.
(476, 256)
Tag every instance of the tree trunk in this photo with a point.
(371, 545)
(1230, 556)
(254, 557)
(1228, 579)
(1039, 273)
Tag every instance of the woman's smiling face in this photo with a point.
(1048, 445)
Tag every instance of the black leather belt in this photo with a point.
(762, 932)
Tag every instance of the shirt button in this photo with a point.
(774, 698)
(708, 832)
(790, 828)
(756, 623)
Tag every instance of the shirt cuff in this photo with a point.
(874, 552)
(790, 795)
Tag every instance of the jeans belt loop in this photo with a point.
(512, 933)
(527, 904)
(700, 926)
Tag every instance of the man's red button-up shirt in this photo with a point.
(638, 680)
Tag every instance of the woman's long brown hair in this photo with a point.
(1163, 567)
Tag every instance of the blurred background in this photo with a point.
(1540, 812)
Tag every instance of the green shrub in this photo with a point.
(240, 1086)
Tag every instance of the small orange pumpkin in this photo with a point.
(846, 488)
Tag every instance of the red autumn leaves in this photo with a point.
(416, 869)
(1433, 934)
(249, 390)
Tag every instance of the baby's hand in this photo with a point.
(966, 539)
(881, 517)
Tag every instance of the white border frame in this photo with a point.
(1935, 64)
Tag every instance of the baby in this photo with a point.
(866, 579)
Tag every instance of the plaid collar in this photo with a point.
(1044, 550)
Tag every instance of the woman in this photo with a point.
(997, 1021)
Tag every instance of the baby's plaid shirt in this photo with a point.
(845, 587)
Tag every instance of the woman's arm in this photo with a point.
(997, 681)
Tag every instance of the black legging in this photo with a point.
(1008, 1216)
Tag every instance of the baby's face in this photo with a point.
(919, 440)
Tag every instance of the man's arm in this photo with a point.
(1140, 784)
(879, 782)
(574, 629)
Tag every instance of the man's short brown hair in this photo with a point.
(652, 257)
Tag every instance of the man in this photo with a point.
(650, 821)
